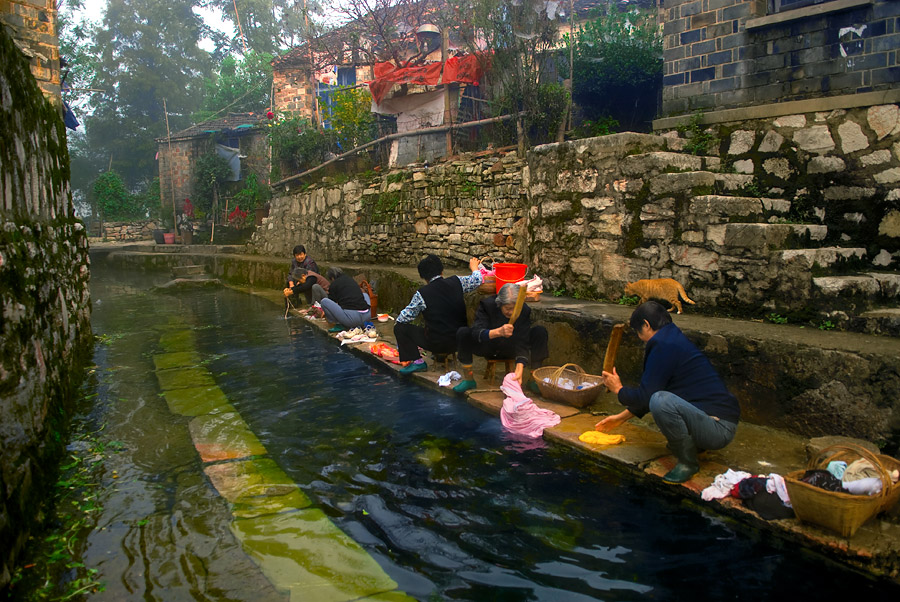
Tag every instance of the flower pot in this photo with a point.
(158, 237)
(187, 237)
(169, 238)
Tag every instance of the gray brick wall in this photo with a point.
(713, 61)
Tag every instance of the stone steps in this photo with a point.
(680, 183)
(760, 238)
(823, 257)
(653, 163)
(885, 285)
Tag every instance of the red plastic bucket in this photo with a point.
(169, 237)
(509, 272)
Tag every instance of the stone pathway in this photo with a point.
(296, 546)
(875, 548)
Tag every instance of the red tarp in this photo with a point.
(462, 69)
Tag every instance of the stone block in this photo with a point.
(741, 142)
(823, 257)
(852, 137)
(890, 224)
(791, 121)
(848, 193)
(778, 167)
(833, 286)
(815, 139)
(733, 181)
(883, 119)
(744, 166)
(655, 162)
(825, 165)
(717, 206)
(680, 182)
(888, 176)
(876, 158)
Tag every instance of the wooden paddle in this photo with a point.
(612, 349)
(520, 301)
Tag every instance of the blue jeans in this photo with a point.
(679, 420)
(349, 318)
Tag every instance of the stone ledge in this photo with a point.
(793, 107)
(805, 12)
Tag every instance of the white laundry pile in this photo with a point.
(358, 335)
(448, 378)
(722, 484)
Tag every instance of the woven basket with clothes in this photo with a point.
(569, 384)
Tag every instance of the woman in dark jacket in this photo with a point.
(346, 305)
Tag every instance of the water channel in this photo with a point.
(331, 480)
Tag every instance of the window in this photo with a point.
(346, 76)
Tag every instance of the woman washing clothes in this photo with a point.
(346, 306)
(492, 336)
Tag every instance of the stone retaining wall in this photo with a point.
(456, 209)
(45, 300)
(125, 231)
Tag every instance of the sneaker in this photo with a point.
(414, 367)
(336, 328)
(532, 387)
(464, 386)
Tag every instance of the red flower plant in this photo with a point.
(270, 114)
(237, 216)
(188, 208)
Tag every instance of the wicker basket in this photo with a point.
(489, 286)
(843, 513)
(574, 372)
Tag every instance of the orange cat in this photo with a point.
(666, 289)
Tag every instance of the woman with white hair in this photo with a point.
(492, 336)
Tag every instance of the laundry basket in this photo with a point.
(590, 384)
(843, 513)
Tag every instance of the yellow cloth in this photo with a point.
(598, 438)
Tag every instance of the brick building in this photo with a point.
(802, 55)
(242, 132)
(33, 27)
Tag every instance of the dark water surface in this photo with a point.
(448, 504)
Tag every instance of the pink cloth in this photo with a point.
(520, 415)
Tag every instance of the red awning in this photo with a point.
(462, 69)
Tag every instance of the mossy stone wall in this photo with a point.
(44, 298)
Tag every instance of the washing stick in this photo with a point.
(612, 348)
(520, 301)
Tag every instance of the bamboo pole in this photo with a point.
(422, 132)
(171, 173)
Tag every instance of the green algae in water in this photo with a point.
(396, 596)
(254, 480)
(177, 359)
(178, 340)
(181, 378)
(224, 437)
(305, 553)
(197, 401)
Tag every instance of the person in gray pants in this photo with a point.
(686, 396)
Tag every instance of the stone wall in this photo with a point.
(721, 54)
(125, 231)
(456, 209)
(32, 24)
(44, 296)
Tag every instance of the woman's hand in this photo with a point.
(504, 332)
(288, 292)
(611, 422)
(474, 263)
(612, 381)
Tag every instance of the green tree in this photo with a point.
(352, 118)
(147, 51)
(618, 67)
(270, 26)
(211, 174)
(238, 86)
(113, 201)
(516, 40)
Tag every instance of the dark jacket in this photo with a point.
(445, 308)
(489, 316)
(307, 264)
(672, 363)
(345, 292)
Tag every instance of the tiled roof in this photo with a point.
(227, 122)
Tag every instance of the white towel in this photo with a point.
(723, 483)
(446, 379)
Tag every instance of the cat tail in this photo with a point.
(683, 294)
